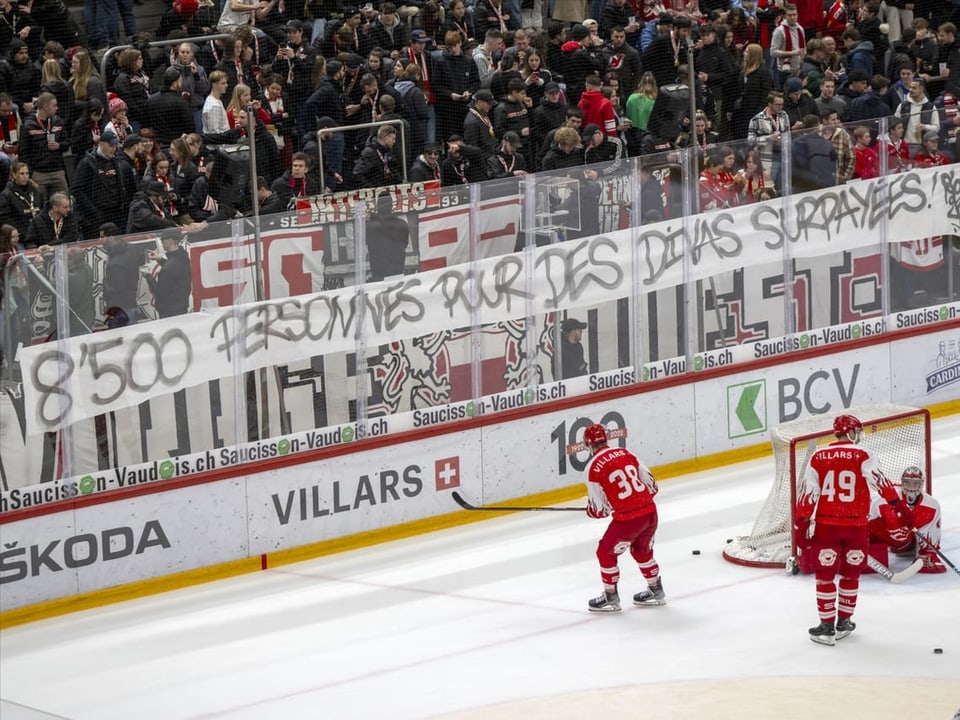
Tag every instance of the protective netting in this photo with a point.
(898, 436)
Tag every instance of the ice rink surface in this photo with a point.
(489, 620)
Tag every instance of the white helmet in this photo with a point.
(912, 482)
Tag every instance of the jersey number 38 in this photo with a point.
(629, 481)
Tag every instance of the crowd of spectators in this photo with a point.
(474, 90)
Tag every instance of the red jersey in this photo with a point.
(925, 159)
(866, 165)
(839, 484)
(924, 516)
(716, 192)
(619, 483)
(836, 20)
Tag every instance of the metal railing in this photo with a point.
(198, 40)
(363, 126)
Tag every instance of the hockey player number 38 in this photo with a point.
(629, 481)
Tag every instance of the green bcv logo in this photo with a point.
(87, 484)
(746, 409)
(165, 470)
(347, 433)
(283, 446)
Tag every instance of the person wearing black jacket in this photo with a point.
(387, 238)
(121, 274)
(455, 81)
(295, 60)
(101, 188)
(426, 167)
(463, 165)
(55, 225)
(43, 139)
(378, 163)
(715, 68)
(171, 285)
(478, 129)
(296, 182)
(168, 113)
(20, 200)
(268, 202)
(149, 209)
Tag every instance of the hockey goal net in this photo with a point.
(896, 435)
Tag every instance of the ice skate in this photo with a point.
(653, 595)
(824, 634)
(845, 626)
(605, 602)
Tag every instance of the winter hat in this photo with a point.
(170, 76)
(109, 136)
(186, 8)
(116, 105)
(794, 85)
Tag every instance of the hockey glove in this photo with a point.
(888, 491)
(594, 512)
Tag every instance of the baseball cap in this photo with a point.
(794, 85)
(109, 136)
(333, 67)
(154, 187)
(589, 131)
(419, 35)
(572, 324)
(294, 25)
(931, 135)
(551, 87)
(354, 61)
(131, 141)
(511, 137)
(484, 95)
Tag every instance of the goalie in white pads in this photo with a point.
(894, 523)
(618, 484)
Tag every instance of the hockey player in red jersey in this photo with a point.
(618, 484)
(833, 505)
(896, 523)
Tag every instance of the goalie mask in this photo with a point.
(848, 426)
(912, 482)
(595, 436)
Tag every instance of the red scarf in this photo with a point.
(788, 42)
(421, 61)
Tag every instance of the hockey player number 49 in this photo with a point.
(843, 490)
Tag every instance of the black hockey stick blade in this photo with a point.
(458, 498)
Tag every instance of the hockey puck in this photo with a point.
(729, 540)
(696, 552)
(938, 651)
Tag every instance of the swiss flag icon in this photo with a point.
(447, 473)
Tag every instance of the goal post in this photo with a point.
(896, 435)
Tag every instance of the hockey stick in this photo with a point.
(894, 577)
(927, 544)
(502, 508)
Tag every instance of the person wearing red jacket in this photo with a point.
(619, 485)
(597, 110)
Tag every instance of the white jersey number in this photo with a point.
(629, 481)
(841, 489)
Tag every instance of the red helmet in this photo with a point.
(912, 482)
(595, 435)
(846, 424)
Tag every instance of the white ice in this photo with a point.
(489, 620)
